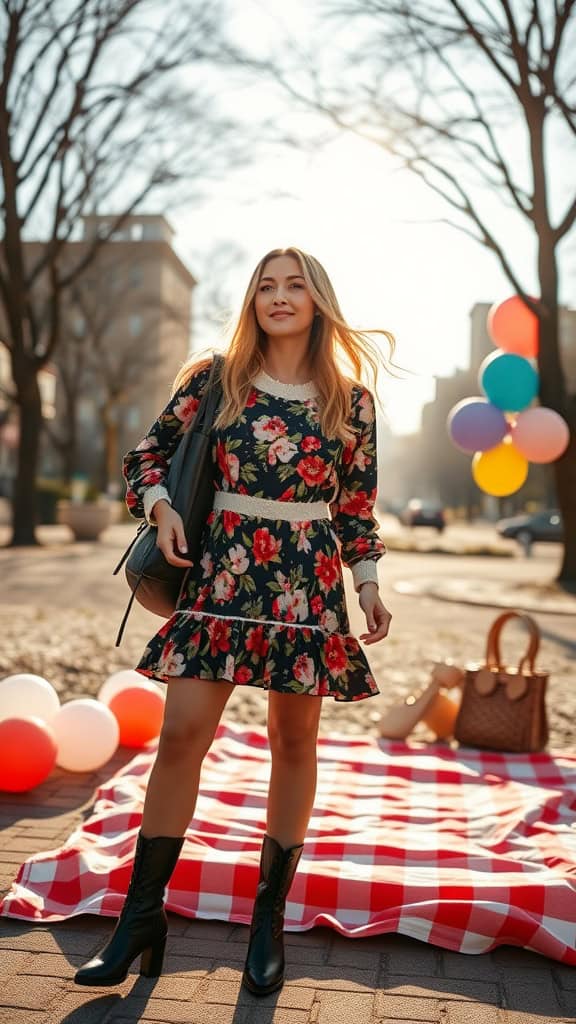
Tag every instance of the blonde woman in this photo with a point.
(294, 457)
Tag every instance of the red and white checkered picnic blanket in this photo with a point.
(462, 849)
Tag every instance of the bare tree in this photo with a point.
(474, 98)
(96, 116)
(94, 360)
(214, 303)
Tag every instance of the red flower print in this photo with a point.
(304, 670)
(228, 463)
(151, 476)
(201, 597)
(230, 520)
(317, 604)
(264, 546)
(348, 453)
(361, 545)
(211, 517)
(219, 633)
(131, 499)
(268, 428)
(252, 398)
(310, 443)
(288, 494)
(357, 504)
(335, 655)
(186, 409)
(243, 674)
(257, 642)
(313, 470)
(326, 569)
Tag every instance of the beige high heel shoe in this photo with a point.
(429, 705)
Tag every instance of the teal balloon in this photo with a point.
(509, 381)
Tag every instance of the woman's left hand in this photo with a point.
(378, 617)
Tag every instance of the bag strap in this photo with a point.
(143, 526)
(493, 656)
(127, 612)
(201, 424)
(204, 418)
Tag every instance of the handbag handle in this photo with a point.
(493, 656)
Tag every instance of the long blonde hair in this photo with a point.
(331, 342)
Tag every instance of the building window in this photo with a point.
(79, 326)
(87, 411)
(133, 417)
(136, 276)
(135, 325)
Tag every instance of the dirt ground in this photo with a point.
(60, 608)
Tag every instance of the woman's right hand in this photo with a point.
(171, 537)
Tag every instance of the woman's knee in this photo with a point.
(191, 715)
(293, 736)
(182, 738)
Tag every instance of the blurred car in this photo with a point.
(423, 513)
(542, 526)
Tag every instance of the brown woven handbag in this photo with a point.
(504, 708)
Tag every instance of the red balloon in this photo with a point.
(140, 712)
(27, 753)
(514, 328)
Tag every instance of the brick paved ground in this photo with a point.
(330, 979)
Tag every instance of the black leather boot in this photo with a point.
(143, 925)
(264, 969)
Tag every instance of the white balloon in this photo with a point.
(27, 694)
(87, 734)
(121, 681)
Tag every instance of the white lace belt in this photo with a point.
(252, 506)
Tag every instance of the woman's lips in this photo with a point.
(280, 316)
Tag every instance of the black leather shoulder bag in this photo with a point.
(155, 583)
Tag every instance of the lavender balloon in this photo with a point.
(475, 425)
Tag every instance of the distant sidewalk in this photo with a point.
(491, 593)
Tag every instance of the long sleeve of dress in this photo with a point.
(145, 468)
(352, 509)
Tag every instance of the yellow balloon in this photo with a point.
(500, 470)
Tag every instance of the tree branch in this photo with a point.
(566, 222)
(476, 35)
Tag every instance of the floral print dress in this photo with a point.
(265, 604)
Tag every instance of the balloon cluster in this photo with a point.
(37, 732)
(500, 429)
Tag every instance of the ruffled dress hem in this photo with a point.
(276, 656)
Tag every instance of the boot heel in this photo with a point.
(152, 959)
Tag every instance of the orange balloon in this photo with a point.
(140, 712)
(513, 327)
(27, 752)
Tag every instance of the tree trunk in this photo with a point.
(110, 461)
(553, 395)
(24, 503)
(565, 472)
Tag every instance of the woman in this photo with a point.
(294, 452)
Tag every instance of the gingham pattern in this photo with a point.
(463, 849)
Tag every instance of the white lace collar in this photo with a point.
(265, 382)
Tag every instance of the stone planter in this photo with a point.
(86, 519)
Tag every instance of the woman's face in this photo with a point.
(283, 304)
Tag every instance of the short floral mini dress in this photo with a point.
(264, 604)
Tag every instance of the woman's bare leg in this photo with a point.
(293, 722)
(191, 715)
